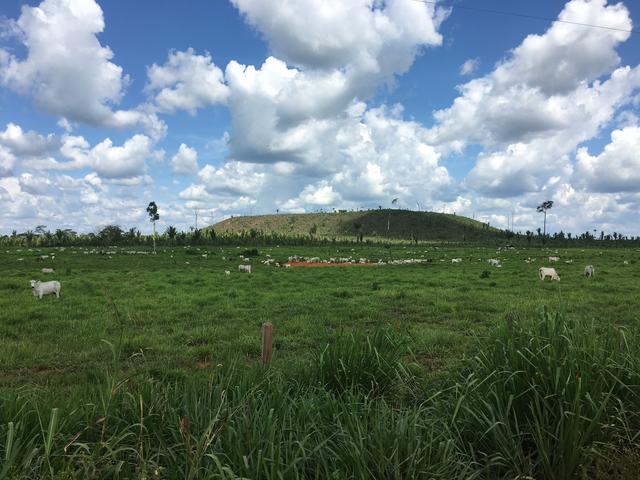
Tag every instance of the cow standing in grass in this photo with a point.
(544, 272)
(589, 271)
(45, 288)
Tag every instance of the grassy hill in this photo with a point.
(401, 224)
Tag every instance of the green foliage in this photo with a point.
(540, 393)
(367, 363)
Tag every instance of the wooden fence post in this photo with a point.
(267, 340)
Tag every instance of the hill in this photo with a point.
(375, 224)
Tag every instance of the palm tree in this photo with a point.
(152, 210)
(171, 232)
(542, 208)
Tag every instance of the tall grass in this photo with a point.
(545, 399)
(542, 392)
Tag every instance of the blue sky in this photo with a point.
(253, 106)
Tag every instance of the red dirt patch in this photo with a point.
(321, 264)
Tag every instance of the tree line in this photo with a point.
(114, 235)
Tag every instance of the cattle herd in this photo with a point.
(40, 288)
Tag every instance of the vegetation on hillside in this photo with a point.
(372, 224)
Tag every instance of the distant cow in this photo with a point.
(544, 272)
(494, 261)
(554, 259)
(45, 288)
(48, 270)
(589, 271)
(456, 260)
(245, 268)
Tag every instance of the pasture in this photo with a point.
(175, 318)
(177, 311)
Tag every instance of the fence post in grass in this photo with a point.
(267, 341)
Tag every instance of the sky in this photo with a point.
(261, 106)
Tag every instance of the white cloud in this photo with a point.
(617, 168)
(232, 179)
(7, 162)
(67, 71)
(122, 162)
(533, 91)
(541, 102)
(29, 143)
(186, 82)
(360, 34)
(185, 161)
(469, 66)
(321, 195)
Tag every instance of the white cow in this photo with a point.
(589, 271)
(244, 268)
(554, 259)
(48, 270)
(544, 272)
(494, 261)
(227, 272)
(456, 260)
(45, 288)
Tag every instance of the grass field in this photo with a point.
(177, 321)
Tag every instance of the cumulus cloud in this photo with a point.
(7, 162)
(30, 144)
(122, 162)
(66, 69)
(544, 99)
(469, 66)
(186, 81)
(617, 168)
(360, 34)
(185, 161)
(360, 158)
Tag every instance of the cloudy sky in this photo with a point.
(252, 106)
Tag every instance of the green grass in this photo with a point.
(163, 313)
(148, 367)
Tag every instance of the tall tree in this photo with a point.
(542, 208)
(152, 210)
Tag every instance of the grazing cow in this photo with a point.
(227, 272)
(589, 271)
(48, 270)
(456, 260)
(45, 288)
(554, 259)
(544, 272)
(244, 268)
(494, 261)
